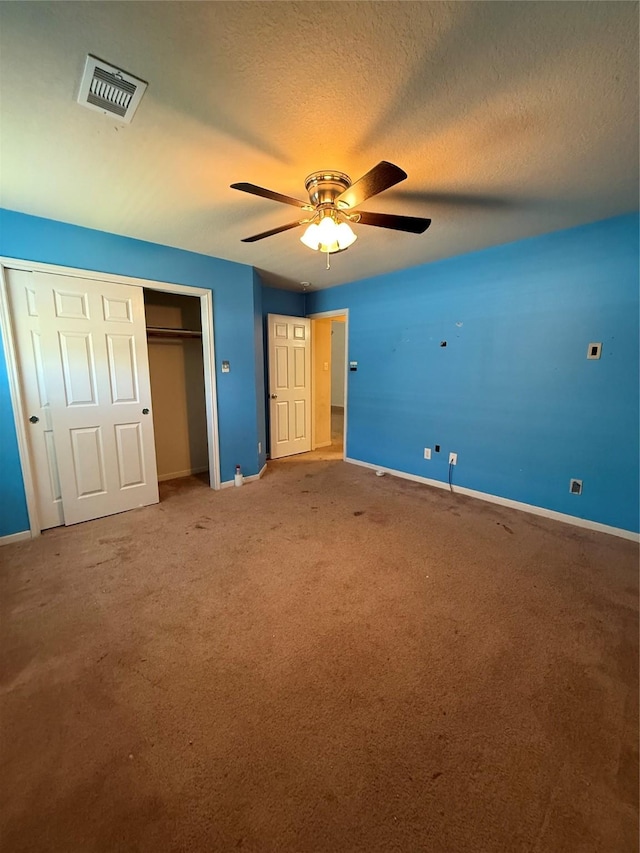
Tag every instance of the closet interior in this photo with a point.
(176, 367)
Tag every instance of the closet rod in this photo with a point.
(157, 332)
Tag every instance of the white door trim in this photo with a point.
(8, 341)
(321, 315)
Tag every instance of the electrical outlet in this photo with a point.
(453, 459)
(575, 487)
(427, 453)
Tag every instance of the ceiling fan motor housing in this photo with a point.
(324, 187)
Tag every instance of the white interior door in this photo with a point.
(289, 385)
(94, 349)
(26, 330)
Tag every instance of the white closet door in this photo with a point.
(26, 329)
(96, 369)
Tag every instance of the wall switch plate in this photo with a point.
(259, 447)
(594, 351)
(226, 367)
(575, 487)
(427, 453)
(453, 459)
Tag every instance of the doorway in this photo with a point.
(176, 368)
(329, 339)
(307, 384)
(113, 476)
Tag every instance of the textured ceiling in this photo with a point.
(511, 119)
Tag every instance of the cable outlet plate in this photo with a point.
(427, 453)
(453, 459)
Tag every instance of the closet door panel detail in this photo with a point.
(76, 352)
(88, 461)
(122, 368)
(130, 455)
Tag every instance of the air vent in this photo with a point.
(109, 90)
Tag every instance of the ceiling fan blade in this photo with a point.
(264, 193)
(273, 231)
(413, 224)
(377, 180)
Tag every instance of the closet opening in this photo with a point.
(176, 370)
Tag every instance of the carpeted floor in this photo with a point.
(320, 662)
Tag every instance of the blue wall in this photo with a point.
(35, 239)
(512, 392)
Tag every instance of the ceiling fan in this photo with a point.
(330, 209)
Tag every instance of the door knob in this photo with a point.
(273, 396)
(145, 411)
(33, 419)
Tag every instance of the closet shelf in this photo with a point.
(158, 332)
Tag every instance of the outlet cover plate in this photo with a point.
(427, 453)
(453, 459)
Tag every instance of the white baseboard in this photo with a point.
(177, 474)
(228, 483)
(495, 499)
(15, 537)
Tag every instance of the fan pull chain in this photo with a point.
(328, 261)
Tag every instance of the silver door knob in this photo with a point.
(33, 419)
(273, 396)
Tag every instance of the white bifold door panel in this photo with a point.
(28, 344)
(289, 385)
(92, 370)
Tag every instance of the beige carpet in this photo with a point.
(323, 661)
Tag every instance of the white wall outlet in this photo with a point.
(453, 459)
(427, 453)
(575, 487)
(594, 351)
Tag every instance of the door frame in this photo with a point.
(323, 315)
(10, 354)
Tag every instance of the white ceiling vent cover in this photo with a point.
(109, 90)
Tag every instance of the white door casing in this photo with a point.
(26, 328)
(96, 369)
(289, 385)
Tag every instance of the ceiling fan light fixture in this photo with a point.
(328, 236)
